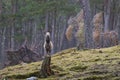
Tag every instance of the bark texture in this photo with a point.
(45, 68)
(88, 24)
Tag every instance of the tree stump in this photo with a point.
(45, 68)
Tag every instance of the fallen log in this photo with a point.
(24, 54)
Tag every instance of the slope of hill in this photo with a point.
(71, 64)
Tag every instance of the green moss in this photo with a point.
(62, 74)
(23, 76)
(78, 68)
(116, 78)
(73, 64)
(97, 77)
(55, 67)
(98, 72)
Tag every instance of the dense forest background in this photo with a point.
(26, 21)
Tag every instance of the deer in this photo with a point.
(99, 37)
(103, 39)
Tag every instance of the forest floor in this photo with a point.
(71, 64)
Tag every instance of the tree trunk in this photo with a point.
(118, 28)
(1, 10)
(53, 30)
(112, 16)
(62, 35)
(12, 37)
(34, 35)
(107, 7)
(88, 25)
(14, 10)
(46, 22)
(3, 55)
(45, 68)
(119, 33)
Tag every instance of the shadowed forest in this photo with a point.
(36, 30)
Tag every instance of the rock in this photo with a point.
(32, 78)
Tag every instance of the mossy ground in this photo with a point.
(71, 64)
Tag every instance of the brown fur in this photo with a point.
(97, 22)
(79, 16)
(98, 18)
(76, 22)
(109, 38)
(80, 32)
(69, 32)
(98, 34)
(78, 19)
(114, 38)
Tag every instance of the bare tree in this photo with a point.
(109, 15)
(13, 10)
